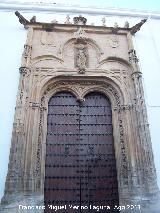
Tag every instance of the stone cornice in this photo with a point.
(50, 26)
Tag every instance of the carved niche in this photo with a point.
(81, 51)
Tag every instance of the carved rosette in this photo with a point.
(24, 71)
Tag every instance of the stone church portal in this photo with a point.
(80, 131)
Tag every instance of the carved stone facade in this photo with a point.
(80, 59)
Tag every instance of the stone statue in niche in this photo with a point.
(81, 57)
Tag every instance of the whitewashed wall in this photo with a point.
(12, 39)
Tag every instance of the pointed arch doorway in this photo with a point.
(80, 166)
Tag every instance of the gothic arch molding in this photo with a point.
(79, 88)
(98, 84)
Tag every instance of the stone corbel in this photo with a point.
(24, 71)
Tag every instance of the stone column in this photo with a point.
(145, 161)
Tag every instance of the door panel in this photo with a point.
(80, 164)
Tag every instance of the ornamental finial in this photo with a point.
(80, 20)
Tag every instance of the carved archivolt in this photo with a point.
(80, 87)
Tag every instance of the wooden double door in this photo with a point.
(80, 167)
